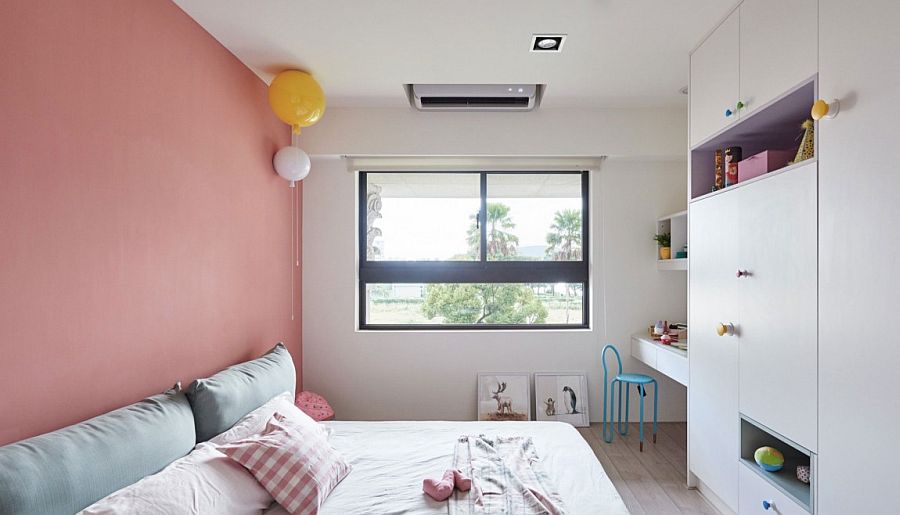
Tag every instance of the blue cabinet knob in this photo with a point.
(728, 112)
(767, 504)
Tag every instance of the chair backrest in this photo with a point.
(603, 361)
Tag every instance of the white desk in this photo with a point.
(666, 359)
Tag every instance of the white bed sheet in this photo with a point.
(390, 459)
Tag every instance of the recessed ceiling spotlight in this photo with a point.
(547, 42)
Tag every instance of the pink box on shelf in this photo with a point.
(762, 163)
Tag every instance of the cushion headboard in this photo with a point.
(68, 470)
(221, 400)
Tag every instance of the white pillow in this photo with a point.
(204, 481)
(254, 423)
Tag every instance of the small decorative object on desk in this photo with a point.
(803, 473)
(314, 405)
(732, 157)
(664, 240)
(769, 459)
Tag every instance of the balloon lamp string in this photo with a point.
(293, 232)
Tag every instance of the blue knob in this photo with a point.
(728, 113)
(767, 505)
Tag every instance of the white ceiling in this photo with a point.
(619, 53)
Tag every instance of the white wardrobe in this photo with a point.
(794, 268)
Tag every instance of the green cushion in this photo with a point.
(68, 470)
(221, 400)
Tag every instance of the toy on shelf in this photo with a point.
(769, 459)
(807, 142)
(803, 473)
(732, 156)
(720, 172)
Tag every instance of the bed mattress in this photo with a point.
(390, 459)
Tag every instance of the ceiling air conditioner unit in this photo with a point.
(474, 97)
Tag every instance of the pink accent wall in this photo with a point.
(144, 237)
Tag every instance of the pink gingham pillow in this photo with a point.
(295, 464)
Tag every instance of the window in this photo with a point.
(473, 250)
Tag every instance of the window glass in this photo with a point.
(422, 216)
(475, 304)
(534, 217)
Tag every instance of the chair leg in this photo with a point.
(641, 422)
(627, 388)
(608, 436)
(655, 403)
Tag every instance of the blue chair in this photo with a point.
(626, 380)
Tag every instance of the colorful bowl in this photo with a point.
(769, 459)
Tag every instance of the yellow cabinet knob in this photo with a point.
(822, 109)
(723, 329)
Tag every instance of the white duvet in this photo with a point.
(390, 459)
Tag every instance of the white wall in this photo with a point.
(652, 133)
(432, 375)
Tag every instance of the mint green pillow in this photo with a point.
(69, 469)
(221, 400)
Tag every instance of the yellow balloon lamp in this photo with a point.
(297, 99)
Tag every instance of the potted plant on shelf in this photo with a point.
(664, 241)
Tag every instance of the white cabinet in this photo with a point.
(753, 265)
(859, 214)
(778, 328)
(714, 80)
(778, 48)
(713, 423)
(755, 490)
(762, 50)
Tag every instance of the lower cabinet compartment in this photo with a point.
(781, 490)
(759, 496)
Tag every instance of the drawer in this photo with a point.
(672, 365)
(754, 490)
(644, 351)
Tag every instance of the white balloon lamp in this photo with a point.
(292, 164)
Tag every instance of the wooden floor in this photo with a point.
(652, 482)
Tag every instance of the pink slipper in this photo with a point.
(462, 482)
(439, 490)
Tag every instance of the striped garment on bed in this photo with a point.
(507, 478)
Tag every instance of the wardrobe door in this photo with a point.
(778, 329)
(714, 81)
(859, 211)
(713, 359)
(778, 48)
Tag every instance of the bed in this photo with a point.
(142, 458)
(390, 459)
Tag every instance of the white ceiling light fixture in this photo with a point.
(547, 42)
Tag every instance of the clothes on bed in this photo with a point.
(390, 459)
(507, 476)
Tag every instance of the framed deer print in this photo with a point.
(504, 396)
(562, 396)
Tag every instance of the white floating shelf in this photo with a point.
(676, 225)
(672, 264)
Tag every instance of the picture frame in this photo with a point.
(504, 396)
(562, 397)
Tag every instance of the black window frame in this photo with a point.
(482, 271)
